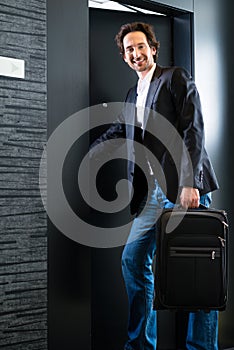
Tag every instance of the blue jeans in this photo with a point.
(137, 259)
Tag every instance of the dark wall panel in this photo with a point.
(69, 261)
(183, 41)
(23, 227)
(225, 161)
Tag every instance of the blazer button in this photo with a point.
(201, 176)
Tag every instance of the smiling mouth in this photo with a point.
(139, 62)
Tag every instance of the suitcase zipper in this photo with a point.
(224, 224)
(213, 254)
(222, 241)
(195, 252)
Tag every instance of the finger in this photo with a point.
(184, 204)
(194, 203)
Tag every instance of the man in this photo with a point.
(171, 93)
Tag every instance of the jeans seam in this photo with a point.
(145, 290)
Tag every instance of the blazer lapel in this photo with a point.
(155, 82)
(130, 113)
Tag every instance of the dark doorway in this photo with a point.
(110, 79)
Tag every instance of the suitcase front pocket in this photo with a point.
(194, 272)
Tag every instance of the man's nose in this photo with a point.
(136, 52)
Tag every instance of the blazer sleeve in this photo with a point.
(190, 126)
(116, 131)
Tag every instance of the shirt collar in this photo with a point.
(147, 78)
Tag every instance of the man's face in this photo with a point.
(137, 52)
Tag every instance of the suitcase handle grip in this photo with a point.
(202, 206)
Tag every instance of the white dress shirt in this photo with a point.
(142, 92)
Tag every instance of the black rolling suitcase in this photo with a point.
(191, 260)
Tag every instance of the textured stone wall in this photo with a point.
(23, 227)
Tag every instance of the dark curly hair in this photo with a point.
(147, 29)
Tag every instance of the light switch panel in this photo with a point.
(12, 67)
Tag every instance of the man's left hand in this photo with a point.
(190, 197)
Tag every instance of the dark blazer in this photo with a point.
(173, 132)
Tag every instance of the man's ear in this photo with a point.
(124, 58)
(154, 51)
